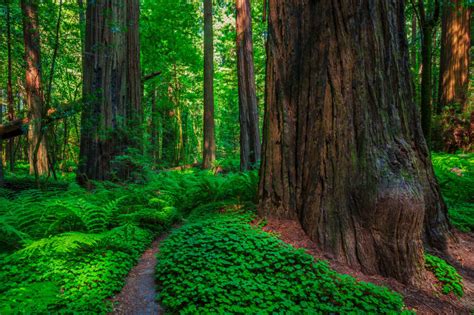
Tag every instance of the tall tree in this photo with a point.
(343, 149)
(209, 151)
(454, 61)
(414, 35)
(428, 16)
(112, 113)
(154, 139)
(38, 154)
(248, 110)
(10, 100)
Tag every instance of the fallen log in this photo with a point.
(13, 128)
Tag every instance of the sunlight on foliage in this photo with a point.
(218, 263)
(455, 174)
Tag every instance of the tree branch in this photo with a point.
(150, 76)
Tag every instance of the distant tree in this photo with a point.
(455, 47)
(249, 129)
(112, 113)
(343, 150)
(38, 153)
(10, 100)
(428, 17)
(209, 151)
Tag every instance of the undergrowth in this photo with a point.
(65, 249)
(450, 279)
(455, 173)
(68, 249)
(218, 263)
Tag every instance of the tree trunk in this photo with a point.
(10, 100)
(343, 149)
(249, 133)
(426, 81)
(414, 35)
(112, 114)
(38, 154)
(428, 20)
(154, 126)
(209, 152)
(454, 61)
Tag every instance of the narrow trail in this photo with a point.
(138, 296)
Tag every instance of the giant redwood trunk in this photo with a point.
(249, 133)
(209, 150)
(454, 61)
(343, 148)
(111, 117)
(38, 154)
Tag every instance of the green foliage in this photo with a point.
(448, 276)
(455, 175)
(218, 263)
(81, 244)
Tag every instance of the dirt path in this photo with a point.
(138, 296)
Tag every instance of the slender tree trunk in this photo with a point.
(428, 21)
(55, 54)
(10, 99)
(249, 133)
(38, 153)
(414, 35)
(343, 149)
(82, 22)
(112, 114)
(426, 81)
(179, 145)
(454, 61)
(154, 126)
(209, 151)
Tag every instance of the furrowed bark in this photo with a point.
(112, 114)
(344, 151)
(248, 110)
(38, 154)
(454, 60)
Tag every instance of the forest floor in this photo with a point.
(65, 249)
(425, 300)
(138, 295)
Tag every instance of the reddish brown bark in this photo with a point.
(454, 61)
(111, 118)
(248, 110)
(343, 148)
(209, 151)
(38, 154)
